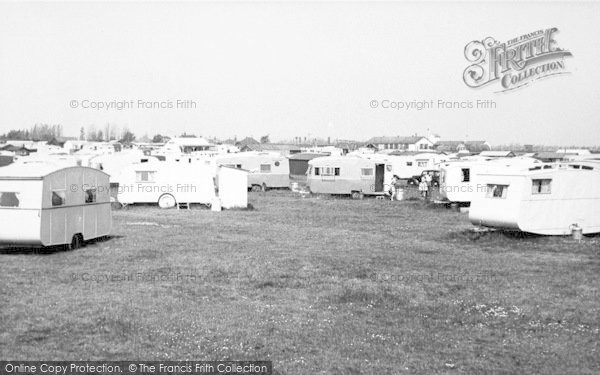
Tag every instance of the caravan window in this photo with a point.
(541, 186)
(330, 171)
(317, 171)
(58, 198)
(144, 176)
(421, 163)
(409, 163)
(466, 175)
(9, 199)
(90, 196)
(366, 172)
(497, 191)
(265, 168)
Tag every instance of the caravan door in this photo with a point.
(379, 176)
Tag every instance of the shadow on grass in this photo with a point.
(491, 235)
(49, 250)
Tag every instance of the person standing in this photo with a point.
(423, 188)
(394, 187)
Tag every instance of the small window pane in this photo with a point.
(90, 196)
(337, 172)
(409, 163)
(58, 198)
(366, 171)
(497, 191)
(317, 171)
(541, 186)
(466, 175)
(144, 176)
(265, 168)
(9, 200)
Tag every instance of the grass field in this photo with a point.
(316, 285)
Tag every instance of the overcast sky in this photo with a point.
(292, 69)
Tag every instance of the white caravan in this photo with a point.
(113, 164)
(45, 205)
(548, 199)
(409, 166)
(458, 179)
(168, 184)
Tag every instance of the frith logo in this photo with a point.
(515, 63)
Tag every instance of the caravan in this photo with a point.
(168, 184)
(45, 205)
(458, 179)
(547, 199)
(347, 175)
(407, 166)
(266, 170)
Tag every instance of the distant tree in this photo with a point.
(127, 137)
(99, 136)
(82, 134)
(158, 139)
(265, 139)
(91, 134)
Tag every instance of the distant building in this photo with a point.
(552, 156)
(497, 154)
(246, 141)
(413, 143)
(18, 150)
(462, 146)
(283, 149)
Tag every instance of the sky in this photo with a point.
(308, 69)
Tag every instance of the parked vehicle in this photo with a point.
(548, 199)
(45, 205)
(169, 184)
(458, 179)
(346, 175)
(265, 170)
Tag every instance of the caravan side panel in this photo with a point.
(574, 200)
(21, 224)
(497, 212)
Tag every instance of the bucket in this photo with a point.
(399, 195)
(577, 233)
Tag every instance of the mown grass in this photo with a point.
(317, 285)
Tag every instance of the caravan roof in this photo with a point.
(30, 170)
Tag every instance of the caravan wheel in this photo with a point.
(357, 195)
(76, 242)
(166, 201)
